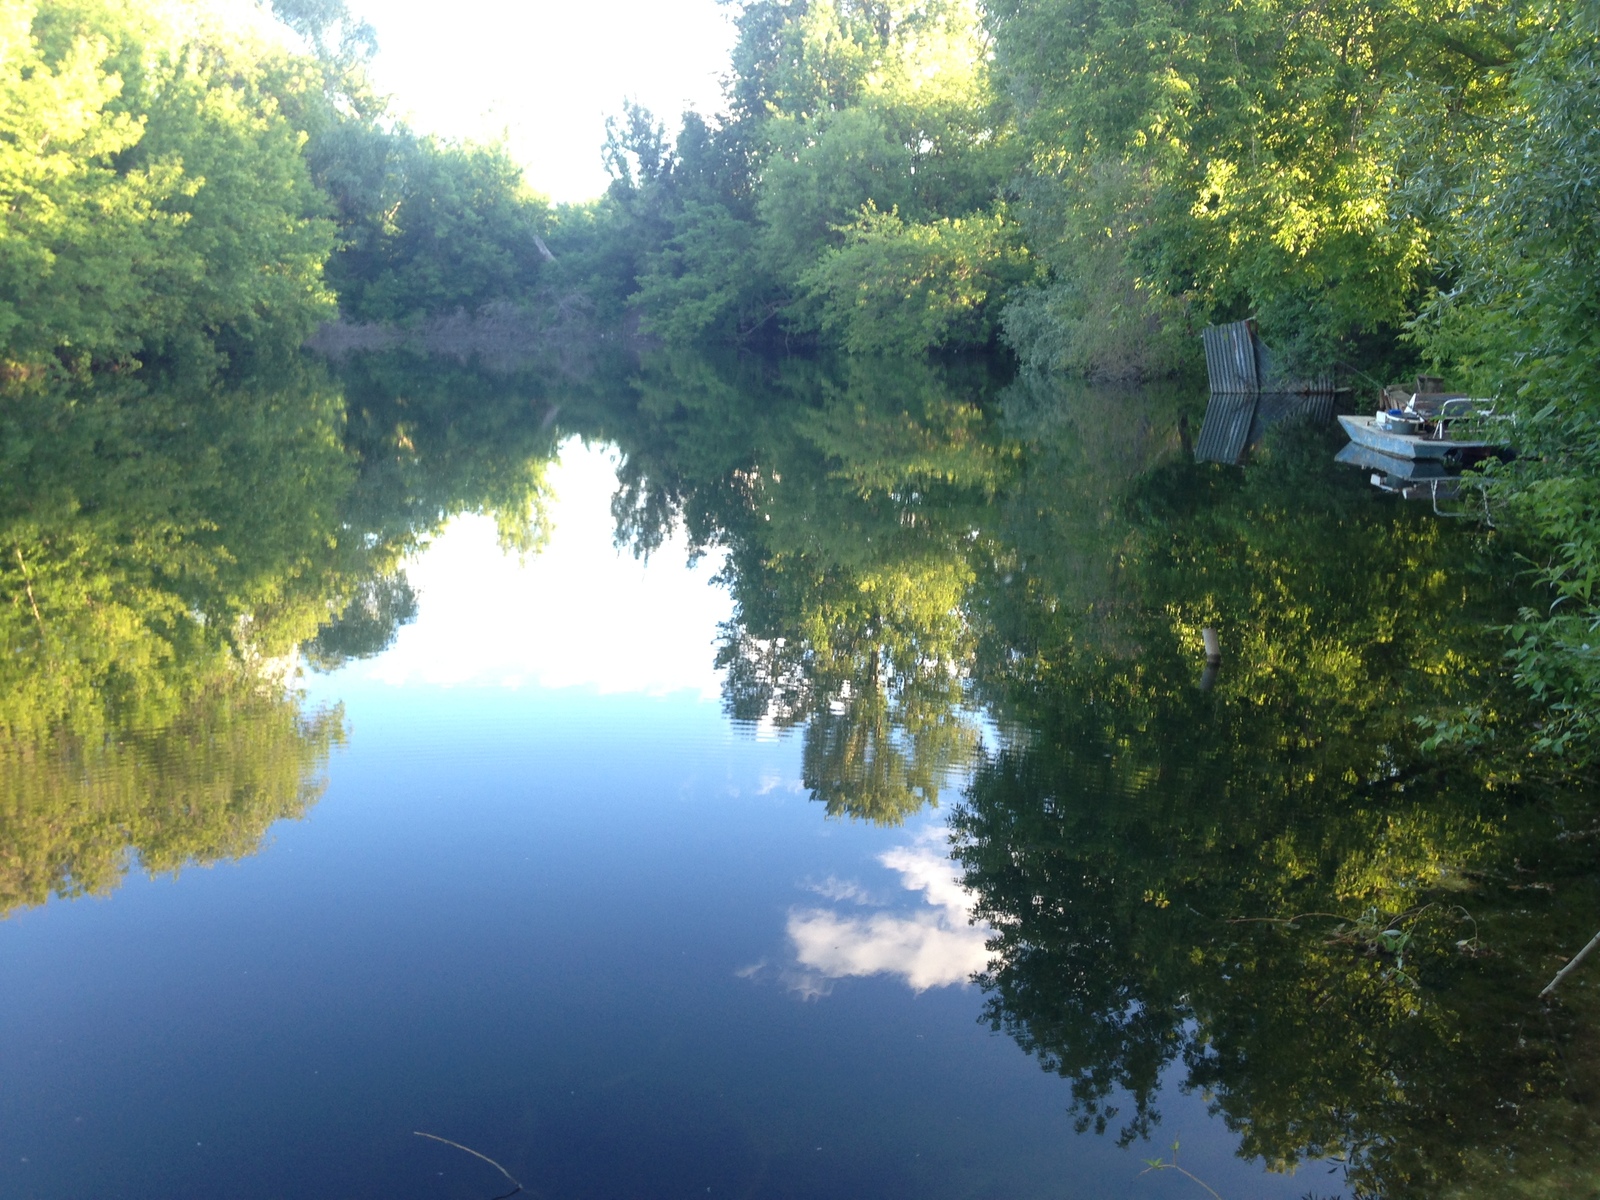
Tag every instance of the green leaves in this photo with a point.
(154, 198)
(703, 284)
(173, 190)
(1521, 322)
(1217, 160)
(780, 218)
(897, 288)
(428, 227)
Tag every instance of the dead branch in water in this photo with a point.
(516, 1185)
(1572, 965)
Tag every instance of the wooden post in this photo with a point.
(1208, 677)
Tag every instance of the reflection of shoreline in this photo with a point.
(203, 788)
(934, 947)
(550, 332)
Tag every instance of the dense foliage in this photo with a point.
(1520, 320)
(179, 189)
(896, 174)
(156, 198)
(424, 226)
(849, 192)
(1378, 184)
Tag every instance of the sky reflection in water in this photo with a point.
(926, 949)
(552, 905)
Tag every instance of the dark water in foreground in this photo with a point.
(782, 873)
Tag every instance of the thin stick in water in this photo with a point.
(27, 584)
(1572, 964)
(1173, 1166)
(516, 1184)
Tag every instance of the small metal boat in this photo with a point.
(1419, 443)
(1447, 429)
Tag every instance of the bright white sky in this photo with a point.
(579, 614)
(547, 72)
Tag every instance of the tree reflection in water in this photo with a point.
(168, 544)
(1269, 887)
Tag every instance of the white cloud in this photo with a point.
(808, 985)
(834, 888)
(934, 947)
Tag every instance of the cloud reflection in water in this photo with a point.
(932, 947)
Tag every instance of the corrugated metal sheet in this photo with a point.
(1273, 407)
(1246, 399)
(1225, 434)
(1234, 358)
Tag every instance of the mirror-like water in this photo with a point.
(701, 778)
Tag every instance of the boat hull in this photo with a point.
(1411, 470)
(1364, 431)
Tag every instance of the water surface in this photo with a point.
(743, 778)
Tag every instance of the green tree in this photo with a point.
(1192, 163)
(1516, 192)
(428, 226)
(156, 199)
(895, 288)
(771, 219)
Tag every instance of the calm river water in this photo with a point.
(757, 779)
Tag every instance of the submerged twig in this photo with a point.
(1572, 964)
(1289, 921)
(436, 1138)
